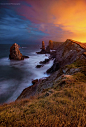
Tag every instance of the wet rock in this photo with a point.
(28, 92)
(53, 54)
(25, 56)
(54, 68)
(15, 53)
(67, 53)
(45, 61)
(35, 81)
(39, 66)
(48, 49)
(43, 51)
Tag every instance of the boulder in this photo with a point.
(25, 56)
(45, 61)
(35, 81)
(15, 53)
(39, 66)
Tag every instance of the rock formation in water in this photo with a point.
(48, 49)
(15, 53)
(43, 51)
(45, 61)
(39, 66)
(43, 46)
(51, 44)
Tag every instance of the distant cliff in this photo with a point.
(67, 53)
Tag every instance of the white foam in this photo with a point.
(4, 61)
(29, 66)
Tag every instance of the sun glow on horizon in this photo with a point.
(80, 40)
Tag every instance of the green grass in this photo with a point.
(77, 63)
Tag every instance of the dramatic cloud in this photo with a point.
(39, 20)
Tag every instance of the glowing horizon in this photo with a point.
(38, 20)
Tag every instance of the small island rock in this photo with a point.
(15, 53)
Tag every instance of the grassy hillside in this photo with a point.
(62, 105)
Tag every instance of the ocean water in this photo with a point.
(17, 75)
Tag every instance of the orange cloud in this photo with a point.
(72, 16)
(60, 18)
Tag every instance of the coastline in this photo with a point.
(14, 69)
(65, 54)
(58, 100)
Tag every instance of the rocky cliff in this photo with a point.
(67, 53)
(57, 101)
(67, 63)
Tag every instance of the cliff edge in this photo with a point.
(57, 101)
(68, 53)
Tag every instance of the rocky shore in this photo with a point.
(56, 101)
(66, 54)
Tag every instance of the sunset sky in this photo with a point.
(42, 20)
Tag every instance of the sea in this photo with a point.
(15, 76)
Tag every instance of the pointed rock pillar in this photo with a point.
(15, 52)
(43, 45)
(51, 44)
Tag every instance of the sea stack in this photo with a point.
(51, 44)
(43, 51)
(15, 52)
(43, 46)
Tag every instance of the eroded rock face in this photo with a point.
(51, 44)
(84, 54)
(35, 81)
(67, 53)
(43, 45)
(48, 49)
(43, 51)
(15, 52)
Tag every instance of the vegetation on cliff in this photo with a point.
(58, 101)
(63, 104)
